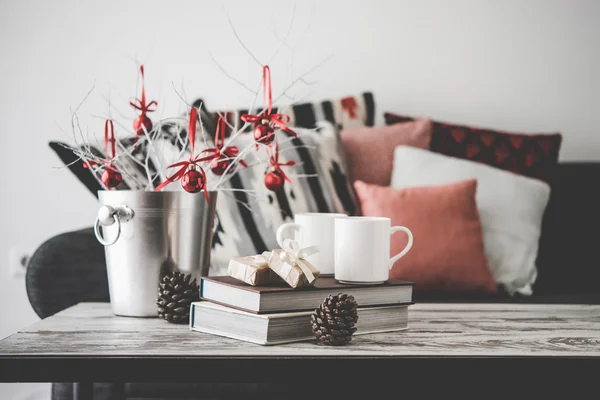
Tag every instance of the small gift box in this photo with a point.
(253, 270)
(290, 264)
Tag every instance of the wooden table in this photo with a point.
(87, 343)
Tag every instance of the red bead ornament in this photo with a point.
(192, 176)
(144, 108)
(222, 155)
(220, 166)
(264, 133)
(193, 181)
(274, 180)
(143, 122)
(275, 177)
(267, 120)
(111, 177)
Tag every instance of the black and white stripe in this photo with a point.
(307, 115)
(316, 152)
(248, 214)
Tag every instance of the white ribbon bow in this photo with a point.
(259, 261)
(293, 255)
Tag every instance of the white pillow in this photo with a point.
(511, 208)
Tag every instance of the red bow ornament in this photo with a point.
(111, 177)
(221, 155)
(274, 176)
(143, 122)
(192, 176)
(265, 122)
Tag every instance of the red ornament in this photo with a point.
(264, 122)
(222, 155)
(220, 165)
(275, 177)
(274, 180)
(192, 176)
(264, 133)
(193, 181)
(144, 108)
(142, 122)
(111, 178)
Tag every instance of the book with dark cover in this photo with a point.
(231, 292)
(277, 328)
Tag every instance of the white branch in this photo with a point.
(242, 84)
(302, 76)
(239, 39)
(284, 41)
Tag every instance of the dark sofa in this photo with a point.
(69, 268)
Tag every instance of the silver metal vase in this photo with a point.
(146, 235)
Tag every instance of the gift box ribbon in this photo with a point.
(243, 274)
(293, 255)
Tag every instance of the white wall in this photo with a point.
(522, 65)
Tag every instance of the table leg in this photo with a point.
(83, 391)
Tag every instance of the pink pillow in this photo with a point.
(370, 150)
(447, 254)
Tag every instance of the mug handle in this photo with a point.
(283, 228)
(408, 245)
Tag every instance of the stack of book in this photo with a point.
(274, 314)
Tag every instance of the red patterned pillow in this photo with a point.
(535, 156)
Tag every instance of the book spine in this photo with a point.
(192, 315)
(201, 288)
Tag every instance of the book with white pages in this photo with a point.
(278, 328)
(231, 292)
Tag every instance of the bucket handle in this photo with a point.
(108, 215)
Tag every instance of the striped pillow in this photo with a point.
(248, 221)
(343, 113)
(248, 214)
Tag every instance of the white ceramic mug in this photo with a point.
(313, 229)
(362, 249)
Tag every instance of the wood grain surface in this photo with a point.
(435, 330)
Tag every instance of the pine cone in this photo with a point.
(333, 322)
(175, 293)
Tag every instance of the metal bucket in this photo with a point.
(147, 234)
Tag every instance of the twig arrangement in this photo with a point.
(140, 161)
